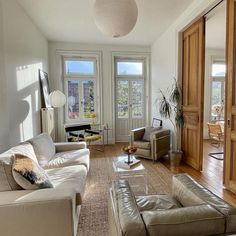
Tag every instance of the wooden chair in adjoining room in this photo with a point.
(216, 135)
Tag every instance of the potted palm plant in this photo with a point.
(170, 107)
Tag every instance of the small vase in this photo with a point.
(129, 160)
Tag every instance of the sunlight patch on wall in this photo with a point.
(27, 75)
(26, 126)
(36, 94)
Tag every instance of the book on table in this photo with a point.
(122, 164)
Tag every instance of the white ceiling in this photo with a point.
(72, 20)
(216, 28)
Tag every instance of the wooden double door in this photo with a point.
(193, 95)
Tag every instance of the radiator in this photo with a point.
(48, 122)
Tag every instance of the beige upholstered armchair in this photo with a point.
(151, 143)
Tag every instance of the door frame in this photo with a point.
(146, 56)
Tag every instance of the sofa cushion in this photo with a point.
(156, 202)
(44, 148)
(70, 177)
(7, 181)
(69, 158)
(28, 174)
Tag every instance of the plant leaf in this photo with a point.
(165, 107)
(175, 95)
(179, 119)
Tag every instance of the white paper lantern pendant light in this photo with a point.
(115, 17)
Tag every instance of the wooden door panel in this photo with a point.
(230, 127)
(193, 84)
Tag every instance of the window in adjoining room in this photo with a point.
(81, 82)
(218, 90)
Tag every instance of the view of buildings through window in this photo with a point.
(74, 98)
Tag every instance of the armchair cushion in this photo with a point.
(148, 131)
(142, 144)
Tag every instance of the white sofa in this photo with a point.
(44, 212)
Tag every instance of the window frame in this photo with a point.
(80, 58)
(82, 77)
(130, 78)
(219, 62)
(126, 59)
(219, 79)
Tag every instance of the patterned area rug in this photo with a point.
(94, 211)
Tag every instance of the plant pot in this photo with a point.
(175, 158)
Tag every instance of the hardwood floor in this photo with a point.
(211, 176)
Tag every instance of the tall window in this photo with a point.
(81, 79)
(130, 88)
(218, 89)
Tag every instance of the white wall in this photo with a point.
(106, 52)
(209, 55)
(23, 50)
(165, 51)
(4, 116)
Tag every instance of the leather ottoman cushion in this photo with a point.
(156, 202)
(189, 192)
(195, 221)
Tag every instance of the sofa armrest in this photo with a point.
(126, 216)
(67, 146)
(137, 134)
(197, 220)
(41, 212)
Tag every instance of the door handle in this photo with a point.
(229, 123)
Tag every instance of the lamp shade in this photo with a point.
(57, 98)
(115, 17)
